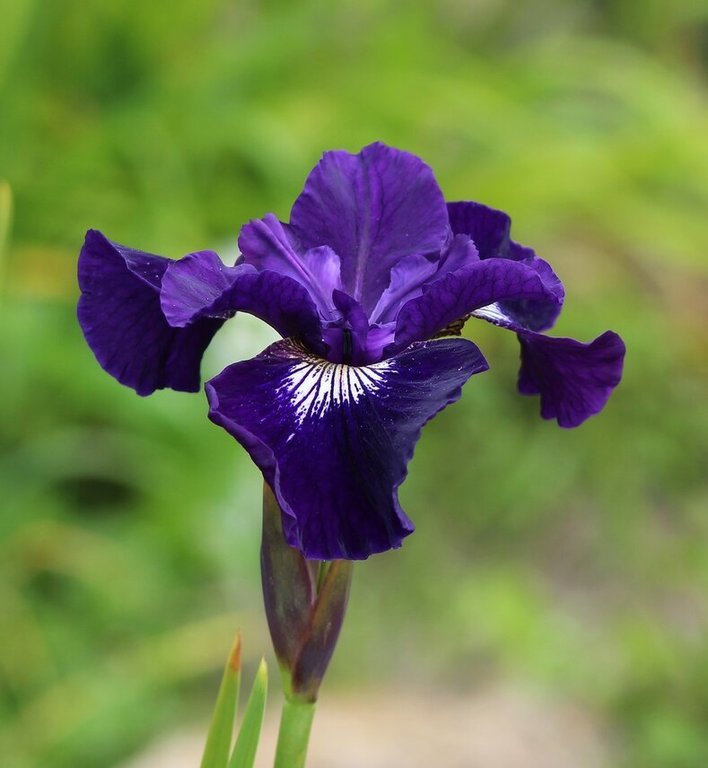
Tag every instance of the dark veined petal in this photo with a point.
(479, 285)
(535, 314)
(574, 379)
(120, 315)
(334, 441)
(488, 228)
(200, 285)
(372, 209)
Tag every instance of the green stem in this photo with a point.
(294, 733)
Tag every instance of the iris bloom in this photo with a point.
(364, 283)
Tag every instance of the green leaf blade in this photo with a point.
(5, 222)
(244, 753)
(218, 745)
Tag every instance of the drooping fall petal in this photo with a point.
(333, 441)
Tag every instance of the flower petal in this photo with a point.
(200, 285)
(334, 441)
(373, 209)
(408, 277)
(194, 287)
(120, 315)
(461, 252)
(268, 244)
(471, 288)
(488, 227)
(574, 379)
(347, 340)
(534, 314)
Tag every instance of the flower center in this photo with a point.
(347, 346)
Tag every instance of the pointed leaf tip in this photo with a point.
(218, 745)
(234, 661)
(244, 754)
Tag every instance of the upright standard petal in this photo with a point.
(574, 379)
(489, 228)
(200, 285)
(372, 209)
(334, 441)
(120, 315)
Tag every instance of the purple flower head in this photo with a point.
(372, 269)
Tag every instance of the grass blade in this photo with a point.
(5, 221)
(218, 745)
(244, 753)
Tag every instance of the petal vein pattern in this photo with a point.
(334, 441)
(317, 385)
(120, 314)
(373, 209)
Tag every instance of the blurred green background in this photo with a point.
(571, 561)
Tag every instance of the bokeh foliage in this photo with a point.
(573, 561)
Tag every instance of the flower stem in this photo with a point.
(294, 733)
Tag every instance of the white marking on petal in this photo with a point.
(314, 385)
(493, 313)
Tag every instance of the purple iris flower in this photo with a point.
(372, 270)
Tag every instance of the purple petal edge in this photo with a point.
(373, 209)
(465, 290)
(200, 285)
(120, 315)
(333, 441)
(574, 380)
